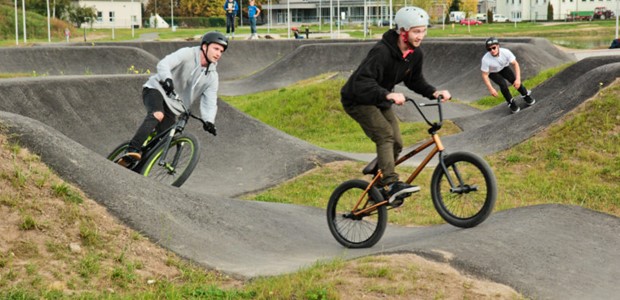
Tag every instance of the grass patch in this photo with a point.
(67, 193)
(574, 162)
(312, 112)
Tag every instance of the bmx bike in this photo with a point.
(463, 191)
(169, 156)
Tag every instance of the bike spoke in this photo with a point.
(463, 204)
(178, 159)
(351, 230)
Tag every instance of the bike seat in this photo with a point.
(371, 168)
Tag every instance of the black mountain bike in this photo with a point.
(463, 191)
(169, 156)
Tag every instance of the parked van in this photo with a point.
(499, 18)
(457, 16)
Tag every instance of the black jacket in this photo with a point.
(381, 70)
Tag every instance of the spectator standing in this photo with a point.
(253, 12)
(231, 7)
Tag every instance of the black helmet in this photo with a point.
(491, 41)
(215, 37)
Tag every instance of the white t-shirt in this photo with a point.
(494, 64)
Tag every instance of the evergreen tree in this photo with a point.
(549, 12)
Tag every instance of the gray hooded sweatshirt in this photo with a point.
(190, 82)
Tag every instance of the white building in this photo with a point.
(313, 11)
(115, 13)
(536, 10)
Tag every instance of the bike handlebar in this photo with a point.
(176, 97)
(434, 125)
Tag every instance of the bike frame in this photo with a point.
(438, 149)
(167, 135)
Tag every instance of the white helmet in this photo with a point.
(410, 16)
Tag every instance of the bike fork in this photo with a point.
(461, 188)
(162, 158)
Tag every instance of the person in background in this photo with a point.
(295, 31)
(368, 95)
(496, 66)
(231, 7)
(253, 12)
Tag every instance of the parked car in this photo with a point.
(481, 17)
(470, 22)
(499, 18)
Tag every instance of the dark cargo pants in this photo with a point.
(381, 126)
(500, 78)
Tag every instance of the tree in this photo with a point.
(58, 8)
(470, 7)
(215, 8)
(549, 12)
(185, 8)
(456, 6)
(79, 15)
(432, 7)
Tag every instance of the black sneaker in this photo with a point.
(398, 191)
(529, 100)
(514, 108)
(129, 159)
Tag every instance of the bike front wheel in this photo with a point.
(356, 230)
(179, 163)
(465, 195)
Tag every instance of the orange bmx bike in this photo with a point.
(463, 191)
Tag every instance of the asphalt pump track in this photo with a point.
(544, 251)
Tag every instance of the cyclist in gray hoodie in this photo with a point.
(191, 73)
(369, 94)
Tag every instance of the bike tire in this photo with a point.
(118, 152)
(466, 209)
(355, 231)
(187, 147)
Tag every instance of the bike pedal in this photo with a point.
(397, 203)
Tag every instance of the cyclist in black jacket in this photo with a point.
(369, 93)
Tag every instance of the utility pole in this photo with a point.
(16, 26)
(49, 34)
(171, 16)
(24, 16)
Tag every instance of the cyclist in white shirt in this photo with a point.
(496, 66)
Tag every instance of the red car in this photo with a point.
(470, 22)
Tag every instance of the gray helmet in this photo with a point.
(411, 16)
(215, 37)
(491, 41)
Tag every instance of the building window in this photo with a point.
(99, 16)
(112, 16)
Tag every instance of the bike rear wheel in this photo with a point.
(181, 159)
(118, 152)
(352, 231)
(472, 199)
